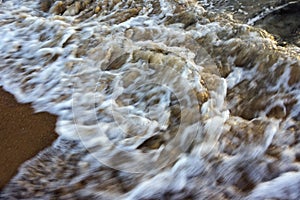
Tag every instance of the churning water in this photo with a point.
(156, 99)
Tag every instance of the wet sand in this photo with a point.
(23, 134)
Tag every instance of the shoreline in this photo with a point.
(23, 134)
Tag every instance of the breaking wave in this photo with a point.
(155, 100)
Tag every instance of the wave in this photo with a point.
(155, 99)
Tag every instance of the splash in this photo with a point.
(155, 99)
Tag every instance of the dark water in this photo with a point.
(280, 18)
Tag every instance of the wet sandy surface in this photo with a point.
(23, 134)
(278, 17)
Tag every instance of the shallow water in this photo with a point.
(155, 99)
(278, 17)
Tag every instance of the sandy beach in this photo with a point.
(23, 134)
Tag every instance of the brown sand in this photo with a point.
(23, 134)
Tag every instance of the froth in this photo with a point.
(156, 99)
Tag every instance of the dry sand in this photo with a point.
(23, 134)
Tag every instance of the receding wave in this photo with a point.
(155, 100)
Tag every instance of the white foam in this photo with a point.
(116, 87)
(284, 187)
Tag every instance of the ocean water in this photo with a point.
(156, 99)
